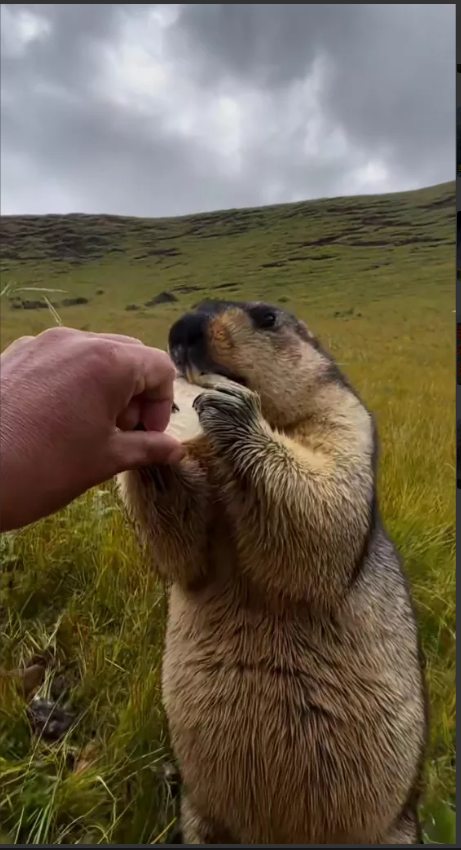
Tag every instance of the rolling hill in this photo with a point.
(327, 257)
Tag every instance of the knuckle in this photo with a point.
(164, 360)
(57, 333)
(107, 355)
(101, 357)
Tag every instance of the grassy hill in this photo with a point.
(374, 277)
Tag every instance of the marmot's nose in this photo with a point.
(187, 338)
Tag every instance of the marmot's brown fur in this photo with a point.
(292, 678)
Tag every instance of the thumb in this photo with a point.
(140, 448)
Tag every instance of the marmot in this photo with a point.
(292, 676)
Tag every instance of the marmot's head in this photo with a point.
(267, 349)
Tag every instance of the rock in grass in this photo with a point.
(49, 720)
(162, 298)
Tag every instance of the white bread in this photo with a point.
(184, 423)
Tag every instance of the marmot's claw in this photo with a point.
(224, 411)
(212, 381)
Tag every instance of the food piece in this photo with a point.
(184, 423)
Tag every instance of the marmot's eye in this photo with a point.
(264, 318)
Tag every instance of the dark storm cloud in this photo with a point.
(271, 44)
(235, 104)
(390, 68)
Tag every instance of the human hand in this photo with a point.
(69, 403)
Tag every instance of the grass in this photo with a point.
(375, 278)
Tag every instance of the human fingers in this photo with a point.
(120, 372)
(153, 372)
(133, 449)
(131, 340)
(156, 368)
(153, 415)
(64, 331)
(130, 416)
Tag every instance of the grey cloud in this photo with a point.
(387, 89)
(269, 44)
(391, 69)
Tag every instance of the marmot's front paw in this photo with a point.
(228, 412)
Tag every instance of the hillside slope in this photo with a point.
(329, 255)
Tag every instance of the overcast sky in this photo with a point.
(170, 109)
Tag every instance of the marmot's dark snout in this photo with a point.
(187, 342)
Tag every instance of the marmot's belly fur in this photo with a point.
(281, 736)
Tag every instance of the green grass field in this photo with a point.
(375, 278)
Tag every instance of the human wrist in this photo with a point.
(6, 478)
(12, 493)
